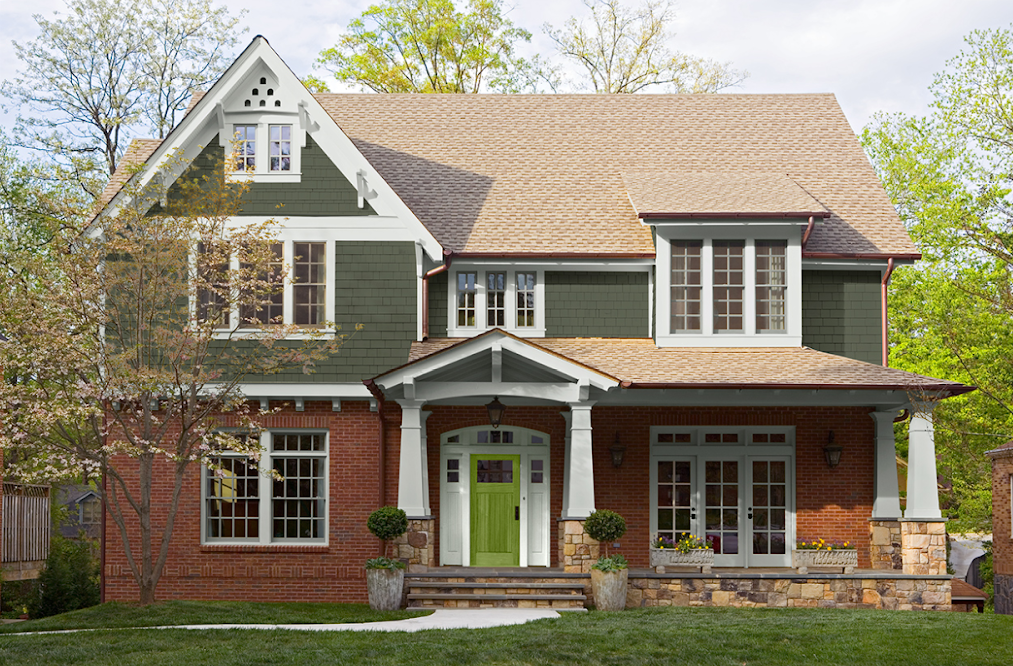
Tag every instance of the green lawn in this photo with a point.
(648, 636)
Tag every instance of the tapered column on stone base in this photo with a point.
(578, 498)
(886, 505)
(412, 489)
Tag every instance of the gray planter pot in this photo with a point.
(385, 587)
(609, 589)
(801, 560)
(669, 557)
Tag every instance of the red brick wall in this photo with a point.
(315, 573)
(833, 504)
(1002, 537)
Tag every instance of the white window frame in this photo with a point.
(748, 337)
(262, 172)
(481, 301)
(265, 492)
(288, 293)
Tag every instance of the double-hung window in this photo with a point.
(267, 150)
(511, 299)
(729, 291)
(243, 502)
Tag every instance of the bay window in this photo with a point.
(243, 503)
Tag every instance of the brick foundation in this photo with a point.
(885, 545)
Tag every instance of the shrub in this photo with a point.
(69, 581)
(610, 564)
(605, 526)
(386, 523)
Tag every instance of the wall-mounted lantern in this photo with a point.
(832, 451)
(618, 452)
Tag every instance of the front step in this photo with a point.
(500, 592)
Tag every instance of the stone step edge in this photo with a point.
(500, 586)
(437, 596)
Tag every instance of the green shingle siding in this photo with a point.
(841, 313)
(606, 305)
(321, 190)
(375, 285)
(438, 306)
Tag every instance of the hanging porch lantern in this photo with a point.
(496, 410)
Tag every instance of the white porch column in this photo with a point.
(566, 466)
(412, 489)
(887, 503)
(922, 493)
(578, 495)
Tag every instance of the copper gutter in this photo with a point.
(861, 255)
(553, 255)
(448, 256)
(885, 317)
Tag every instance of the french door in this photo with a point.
(739, 501)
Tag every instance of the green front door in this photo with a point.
(495, 510)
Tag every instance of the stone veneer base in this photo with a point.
(1003, 594)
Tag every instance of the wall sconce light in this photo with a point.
(618, 451)
(496, 410)
(832, 451)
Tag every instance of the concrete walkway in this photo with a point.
(440, 619)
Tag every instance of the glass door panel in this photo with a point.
(722, 510)
(676, 514)
(769, 512)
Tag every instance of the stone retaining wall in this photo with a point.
(889, 594)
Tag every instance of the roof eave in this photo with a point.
(767, 215)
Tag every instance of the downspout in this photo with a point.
(883, 285)
(382, 435)
(448, 256)
(808, 231)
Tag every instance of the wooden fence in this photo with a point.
(25, 530)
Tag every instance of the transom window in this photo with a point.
(243, 503)
(508, 299)
(729, 291)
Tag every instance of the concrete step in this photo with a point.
(514, 585)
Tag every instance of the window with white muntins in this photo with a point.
(736, 288)
(281, 499)
(510, 299)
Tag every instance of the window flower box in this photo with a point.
(686, 551)
(802, 560)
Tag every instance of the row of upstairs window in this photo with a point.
(714, 288)
(279, 148)
(301, 300)
(508, 299)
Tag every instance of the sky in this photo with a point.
(875, 55)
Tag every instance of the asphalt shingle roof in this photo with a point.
(551, 174)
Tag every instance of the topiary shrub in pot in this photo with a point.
(385, 575)
(609, 575)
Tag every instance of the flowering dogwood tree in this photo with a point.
(126, 350)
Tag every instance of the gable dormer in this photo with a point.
(263, 119)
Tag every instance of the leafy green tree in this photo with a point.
(109, 67)
(625, 50)
(132, 363)
(949, 175)
(428, 46)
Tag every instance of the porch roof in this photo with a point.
(640, 363)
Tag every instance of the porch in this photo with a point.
(24, 539)
(538, 587)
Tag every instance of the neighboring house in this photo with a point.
(84, 512)
(679, 300)
(24, 529)
(1002, 527)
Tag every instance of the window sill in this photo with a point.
(527, 332)
(263, 332)
(268, 177)
(729, 340)
(264, 548)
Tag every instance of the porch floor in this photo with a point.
(671, 572)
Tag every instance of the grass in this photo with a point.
(169, 613)
(718, 636)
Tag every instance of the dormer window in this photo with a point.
(729, 291)
(278, 142)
